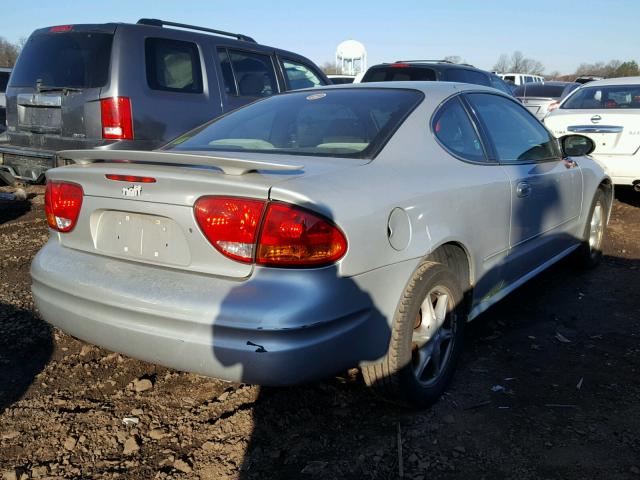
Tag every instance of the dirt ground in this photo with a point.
(548, 388)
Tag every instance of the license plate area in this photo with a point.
(144, 237)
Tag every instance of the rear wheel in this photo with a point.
(426, 339)
(590, 252)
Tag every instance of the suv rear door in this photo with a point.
(52, 99)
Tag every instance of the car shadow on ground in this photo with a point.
(13, 209)
(26, 345)
(628, 195)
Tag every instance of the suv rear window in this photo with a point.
(70, 59)
(346, 122)
(467, 76)
(618, 96)
(399, 74)
(173, 65)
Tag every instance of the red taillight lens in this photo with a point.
(117, 121)
(62, 201)
(400, 65)
(291, 236)
(283, 236)
(130, 178)
(230, 224)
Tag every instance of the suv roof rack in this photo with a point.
(434, 61)
(160, 23)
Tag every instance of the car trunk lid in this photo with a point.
(614, 133)
(154, 222)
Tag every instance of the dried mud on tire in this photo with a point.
(547, 388)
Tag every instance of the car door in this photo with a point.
(546, 191)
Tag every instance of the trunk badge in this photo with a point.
(132, 191)
(596, 119)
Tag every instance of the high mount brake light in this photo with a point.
(269, 233)
(130, 178)
(62, 202)
(117, 119)
(400, 65)
(61, 28)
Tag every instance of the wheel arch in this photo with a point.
(457, 257)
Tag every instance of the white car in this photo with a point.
(607, 111)
(521, 78)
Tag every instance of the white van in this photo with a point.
(521, 78)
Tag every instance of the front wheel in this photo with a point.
(426, 339)
(589, 253)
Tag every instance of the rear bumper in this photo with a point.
(623, 169)
(279, 327)
(26, 164)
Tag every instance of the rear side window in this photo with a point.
(69, 59)
(399, 74)
(247, 74)
(539, 90)
(453, 128)
(299, 75)
(609, 97)
(173, 65)
(516, 135)
(466, 76)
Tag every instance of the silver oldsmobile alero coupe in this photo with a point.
(318, 230)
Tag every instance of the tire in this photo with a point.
(589, 254)
(409, 374)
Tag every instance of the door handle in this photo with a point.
(523, 189)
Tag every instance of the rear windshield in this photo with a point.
(611, 97)
(398, 74)
(69, 59)
(539, 90)
(348, 122)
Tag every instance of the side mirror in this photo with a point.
(576, 145)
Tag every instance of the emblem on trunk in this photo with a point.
(596, 119)
(132, 191)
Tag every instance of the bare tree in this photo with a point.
(502, 65)
(8, 53)
(454, 59)
(330, 68)
(518, 63)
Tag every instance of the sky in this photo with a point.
(559, 33)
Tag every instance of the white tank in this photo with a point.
(351, 57)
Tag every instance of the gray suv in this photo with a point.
(132, 86)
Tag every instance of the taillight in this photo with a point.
(291, 236)
(117, 120)
(230, 224)
(553, 106)
(61, 28)
(269, 233)
(62, 202)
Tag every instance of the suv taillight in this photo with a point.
(269, 233)
(62, 203)
(117, 120)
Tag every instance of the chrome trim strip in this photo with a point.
(595, 129)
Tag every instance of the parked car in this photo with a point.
(318, 230)
(521, 78)
(341, 79)
(4, 79)
(122, 86)
(542, 98)
(608, 112)
(433, 70)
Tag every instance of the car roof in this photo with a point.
(614, 81)
(432, 88)
(427, 63)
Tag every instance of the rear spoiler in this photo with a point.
(230, 166)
